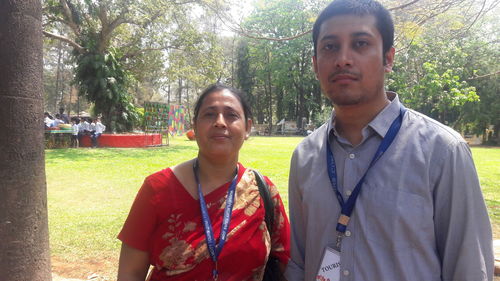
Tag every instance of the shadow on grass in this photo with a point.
(83, 154)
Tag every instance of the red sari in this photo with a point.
(165, 220)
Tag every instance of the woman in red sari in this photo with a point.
(204, 219)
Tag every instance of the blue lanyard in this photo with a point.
(348, 207)
(215, 249)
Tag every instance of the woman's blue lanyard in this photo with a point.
(348, 207)
(215, 249)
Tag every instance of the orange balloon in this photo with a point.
(190, 135)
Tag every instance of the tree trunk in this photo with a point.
(69, 103)
(270, 96)
(59, 97)
(188, 107)
(24, 246)
(179, 99)
(168, 95)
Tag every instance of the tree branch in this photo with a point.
(186, 2)
(103, 16)
(245, 34)
(403, 6)
(224, 19)
(475, 19)
(67, 14)
(108, 28)
(75, 45)
(483, 76)
(138, 52)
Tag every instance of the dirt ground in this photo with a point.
(104, 269)
(98, 269)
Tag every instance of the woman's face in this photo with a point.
(221, 126)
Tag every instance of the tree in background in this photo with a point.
(278, 71)
(483, 46)
(165, 50)
(116, 42)
(24, 247)
(431, 78)
(449, 71)
(436, 69)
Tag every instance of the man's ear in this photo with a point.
(248, 128)
(389, 60)
(315, 66)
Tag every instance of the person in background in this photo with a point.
(96, 128)
(48, 120)
(380, 192)
(74, 134)
(181, 210)
(82, 128)
(57, 121)
(63, 116)
(86, 125)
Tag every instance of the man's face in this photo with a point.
(349, 63)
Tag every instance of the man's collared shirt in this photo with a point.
(84, 126)
(99, 128)
(420, 214)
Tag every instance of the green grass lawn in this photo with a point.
(90, 192)
(487, 160)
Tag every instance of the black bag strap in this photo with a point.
(268, 202)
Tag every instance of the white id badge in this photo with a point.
(329, 270)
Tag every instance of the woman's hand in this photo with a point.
(133, 265)
(282, 269)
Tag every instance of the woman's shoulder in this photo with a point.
(183, 172)
(254, 170)
(161, 180)
(270, 185)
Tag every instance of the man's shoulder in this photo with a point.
(432, 131)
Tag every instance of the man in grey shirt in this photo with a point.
(417, 211)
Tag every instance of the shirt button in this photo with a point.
(352, 156)
(345, 272)
(347, 233)
(348, 192)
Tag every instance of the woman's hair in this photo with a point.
(242, 98)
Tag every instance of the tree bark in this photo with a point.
(180, 92)
(58, 92)
(270, 95)
(24, 246)
(168, 95)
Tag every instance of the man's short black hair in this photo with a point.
(384, 23)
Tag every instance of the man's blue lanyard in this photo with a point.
(215, 249)
(348, 207)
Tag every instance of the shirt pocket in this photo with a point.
(392, 218)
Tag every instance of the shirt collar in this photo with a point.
(380, 124)
(384, 119)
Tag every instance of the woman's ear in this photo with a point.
(249, 128)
